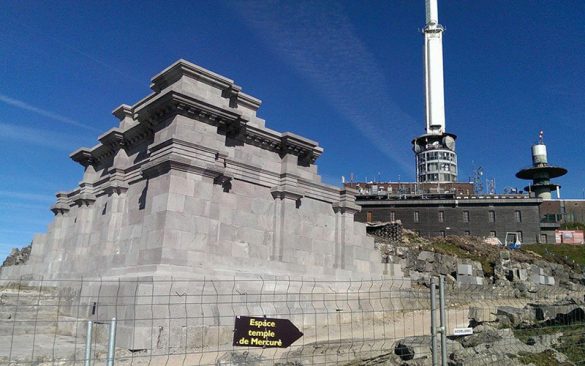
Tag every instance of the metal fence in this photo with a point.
(193, 322)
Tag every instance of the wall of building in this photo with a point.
(563, 211)
(482, 218)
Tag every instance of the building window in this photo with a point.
(392, 216)
(441, 216)
(443, 233)
(518, 215)
(543, 239)
(416, 218)
(492, 234)
(465, 216)
(467, 232)
(492, 216)
(369, 216)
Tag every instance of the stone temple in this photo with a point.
(192, 184)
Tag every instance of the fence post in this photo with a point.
(433, 321)
(112, 343)
(87, 361)
(443, 320)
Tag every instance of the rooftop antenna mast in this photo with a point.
(434, 91)
(477, 180)
(436, 160)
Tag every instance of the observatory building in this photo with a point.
(541, 173)
(436, 160)
(436, 204)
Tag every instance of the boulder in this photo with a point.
(568, 314)
(482, 334)
(515, 316)
(419, 349)
(411, 348)
(480, 315)
(426, 256)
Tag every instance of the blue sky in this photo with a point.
(345, 73)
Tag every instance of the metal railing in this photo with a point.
(170, 321)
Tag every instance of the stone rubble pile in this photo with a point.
(495, 337)
(392, 231)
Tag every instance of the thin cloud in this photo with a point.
(27, 196)
(329, 55)
(31, 108)
(8, 231)
(36, 137)
(23, 206)
(66, 45)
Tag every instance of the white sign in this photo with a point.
(462, 331)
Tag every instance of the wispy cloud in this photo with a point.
(22, 206)
(324, 49)
(45, 113)
(27, 196)
(20, 25)
(8, 231)
(38, 137)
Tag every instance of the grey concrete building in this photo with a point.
(482, 216)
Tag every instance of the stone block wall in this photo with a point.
(192, 183)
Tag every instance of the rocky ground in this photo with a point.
(17, 256)
(523, 308)
(532, 310)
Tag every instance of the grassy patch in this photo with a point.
(460, 248)
(572, 255)
(524, 334)
(572, 341)
(545, 358)
(573, 345)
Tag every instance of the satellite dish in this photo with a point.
(417, 148)
(449, 142)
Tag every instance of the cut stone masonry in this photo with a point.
(192, 183)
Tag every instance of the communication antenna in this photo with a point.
(477, 180)
(491, 186)
(510, 190)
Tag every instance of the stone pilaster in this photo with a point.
(287, 198)
(117, 201)
(344, 212)
(85, 200)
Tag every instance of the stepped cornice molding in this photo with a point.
(180, 68)
(83, 156)
(288, 191)
(123, 111)
(62, 206)
(176, 161)
(114, 139)
(229, 89)
(231, 121)
(346, 203)
(172, 103)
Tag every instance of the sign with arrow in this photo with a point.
(264, 332)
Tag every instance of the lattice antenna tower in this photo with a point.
(477, 180)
